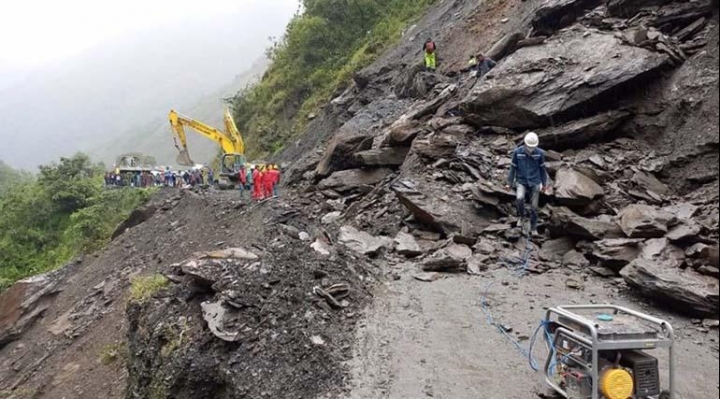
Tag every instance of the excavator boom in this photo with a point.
(231, 141)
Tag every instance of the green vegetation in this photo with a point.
(48, 219)
(113, 352)
(143, 288)
(321, 49)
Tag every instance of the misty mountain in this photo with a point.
(155, 137)
(119, 92)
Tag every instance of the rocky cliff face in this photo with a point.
(624, 95)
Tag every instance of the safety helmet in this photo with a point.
(532, 140)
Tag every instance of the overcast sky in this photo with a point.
(37, 32)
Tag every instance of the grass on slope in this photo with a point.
(318, 54)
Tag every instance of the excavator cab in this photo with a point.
(231, 164)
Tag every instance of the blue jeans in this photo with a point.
(521, 194)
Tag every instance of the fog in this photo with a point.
(115, 96)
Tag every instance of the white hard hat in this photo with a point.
(532, 140)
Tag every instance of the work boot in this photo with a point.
(535, 234)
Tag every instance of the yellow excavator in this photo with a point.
(230, 141)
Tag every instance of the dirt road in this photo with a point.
(423, 339)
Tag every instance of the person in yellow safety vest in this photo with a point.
(429, 49)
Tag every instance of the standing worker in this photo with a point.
(211, 176)
(429, 50)
(529, 175)
(242, 180)
(276, 184)
(258, 183)
(268, 181)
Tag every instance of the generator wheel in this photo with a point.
(664, 395)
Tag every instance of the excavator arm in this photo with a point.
(231, 142)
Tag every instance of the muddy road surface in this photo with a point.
(432, 339)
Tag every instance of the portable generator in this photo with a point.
(600, 352)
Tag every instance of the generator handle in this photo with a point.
(666, 327)
(593, 328)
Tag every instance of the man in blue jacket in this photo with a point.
(529, 175)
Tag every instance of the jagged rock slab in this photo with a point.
(538, 84)
(650, 182)
(628, 8)
(204, 273)
(689, 292)
(136, 218)
(216, 315)
(557, 248)
(450, 259)
(553, 15)
(683, 210)
(362, 242)
(340, 150)
(661, 249)
(566, 222)
(580, 133)
(687, 231)
(616, 253)
(406, 245)
(24, 303)
(393, 156)
(575, 260)
(445, 217)
(230, 253)
(348, 180)
(644, 221)
(573, 188)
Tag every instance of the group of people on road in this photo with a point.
(130, 179)
(166, 178)
(261, 181)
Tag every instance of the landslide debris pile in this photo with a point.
(274, 320)
(624, 97)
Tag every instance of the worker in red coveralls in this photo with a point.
(268, 182)
(257, 183)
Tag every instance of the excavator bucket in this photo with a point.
(183, 159)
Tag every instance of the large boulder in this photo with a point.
(573, 188)
(406, 245)
(24, 303)
(616, 253)
(362, 242)
(628, 8)
(644, 221)
(568, 76)
(340, 151)
(445, 216)
(348, 180)
(580, 133)
(136, 218)
(687, 291)
(389, 156)
(566, 222)
(557, 14)
(450, 259)
(661, 249)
